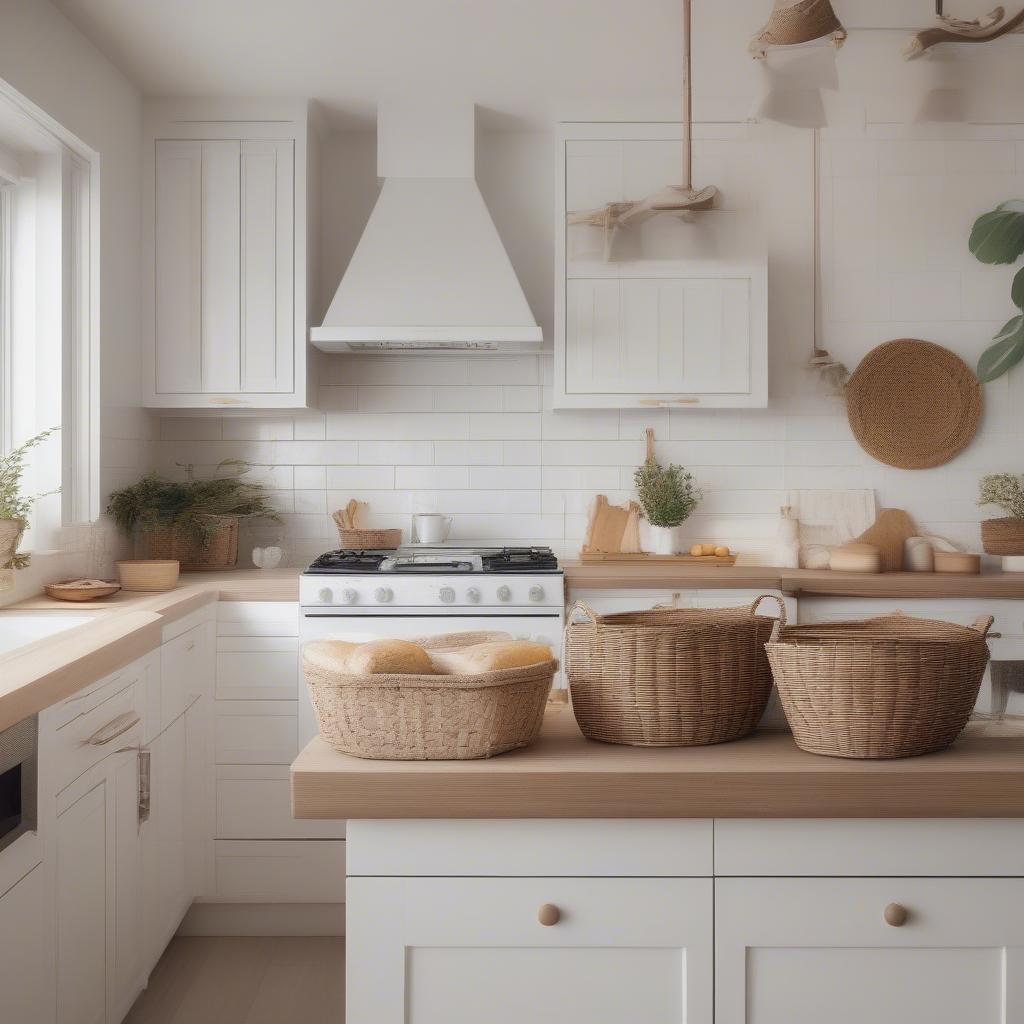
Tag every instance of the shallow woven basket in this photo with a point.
(668, 678)
(1003, 536)
(888, 687)
(370, 540)
(429, 717)
(220, 551)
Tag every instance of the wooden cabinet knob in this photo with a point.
(896, 915)
(549, 914)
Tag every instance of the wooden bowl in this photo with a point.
(149, 575)
(958, 562)
(81, 590)
(856, 558)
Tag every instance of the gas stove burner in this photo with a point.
(439, 561)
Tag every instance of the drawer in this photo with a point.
(141, 673)
(257, 668)
(840, 846)
(255, 802)
(185, 665)
(88, 738)
(256, 732)
(509, 847)
(289, 871)
(258, 618)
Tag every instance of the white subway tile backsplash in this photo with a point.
(399, 398)
(432, 478)
(250, 428)
(200, 428)
(360, 477)
(310, 478)
(361, 426)
(467, 398)
(522, 453)
(500, 425)
(315, 453)
(520, 399)
(391, 453)
(504, 370)
(311, 427)
(497, 478)
(310, 501)
(338, 399)
(467, 453)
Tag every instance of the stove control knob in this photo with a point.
(536, 593)
(447, 594)
(325, 595)
(350, 595)
(473, 594)
(383, 594)
(504, 594)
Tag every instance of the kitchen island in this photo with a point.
(581, 882)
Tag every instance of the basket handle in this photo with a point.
(983, 624)
(585, 610)
(780, 620)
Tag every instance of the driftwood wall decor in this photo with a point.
(985, 29)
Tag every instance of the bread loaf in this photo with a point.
(397, 657)
(490, 657)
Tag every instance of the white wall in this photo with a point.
(477, 438)
(45, 58)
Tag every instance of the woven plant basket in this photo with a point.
(369, 540)
(668, 678)
(221, 552)
(428, 717)
(1003, 536)
(11, 532)
(888, 687)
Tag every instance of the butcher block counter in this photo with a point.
(563, 775)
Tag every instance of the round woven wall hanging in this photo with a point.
(913, 404)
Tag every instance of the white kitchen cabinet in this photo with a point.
(26, 963)
(666, 313)
(462, 950)
(228, 204)
(808, 950)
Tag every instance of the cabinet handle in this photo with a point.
(190, 646)
(117, 727)
(896, 915)
(145, 789)
(549, 914)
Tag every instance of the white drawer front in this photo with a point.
(257, 668)
(847, 846)
(258, 618)
(261, 808)
(184, 666)
(256, 732)
(510, 847)
(289, 871)
(88, 738)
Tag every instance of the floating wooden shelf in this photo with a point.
(646, 559)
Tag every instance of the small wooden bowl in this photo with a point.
(958, 562)
(856, 558)
(149, 575)
(81, 590)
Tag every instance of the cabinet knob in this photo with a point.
(549, 914)
(896, 915)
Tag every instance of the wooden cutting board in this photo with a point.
(612, 528)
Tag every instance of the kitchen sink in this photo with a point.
(17, 629)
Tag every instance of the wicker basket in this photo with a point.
(674, 678)
(428, 717)
(888, 687)
(221, 552)
(1003, 536)
(370, 540)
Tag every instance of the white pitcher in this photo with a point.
(431, 527)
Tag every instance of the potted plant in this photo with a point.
(998, 237)
(668, 497)
(1003, 536)
(14, 506)
(194, 521)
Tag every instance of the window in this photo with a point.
(48, 322)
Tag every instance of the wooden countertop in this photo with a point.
(121, 628)
(630, 575)
(563, 775)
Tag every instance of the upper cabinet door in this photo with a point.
(267, 266)
(178, 267)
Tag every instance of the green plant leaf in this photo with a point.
(998, 236)
(1017, 289)
(1007, 351)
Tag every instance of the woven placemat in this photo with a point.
(913, 404)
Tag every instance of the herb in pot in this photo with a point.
(15, 506)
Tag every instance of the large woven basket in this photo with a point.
(1003, 536)
(428, 717)
(668, 678)
(888, 687)
(220, 552)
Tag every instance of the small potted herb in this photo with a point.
(668, 497)
(194, 522)
(14, 506)
(1004, 536)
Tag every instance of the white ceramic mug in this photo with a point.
(431, 527)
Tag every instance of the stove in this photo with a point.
(435, 560)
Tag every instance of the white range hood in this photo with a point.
(430, 273)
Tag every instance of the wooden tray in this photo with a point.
(643, 556)
(81, 590)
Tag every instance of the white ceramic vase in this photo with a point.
(664, 540)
